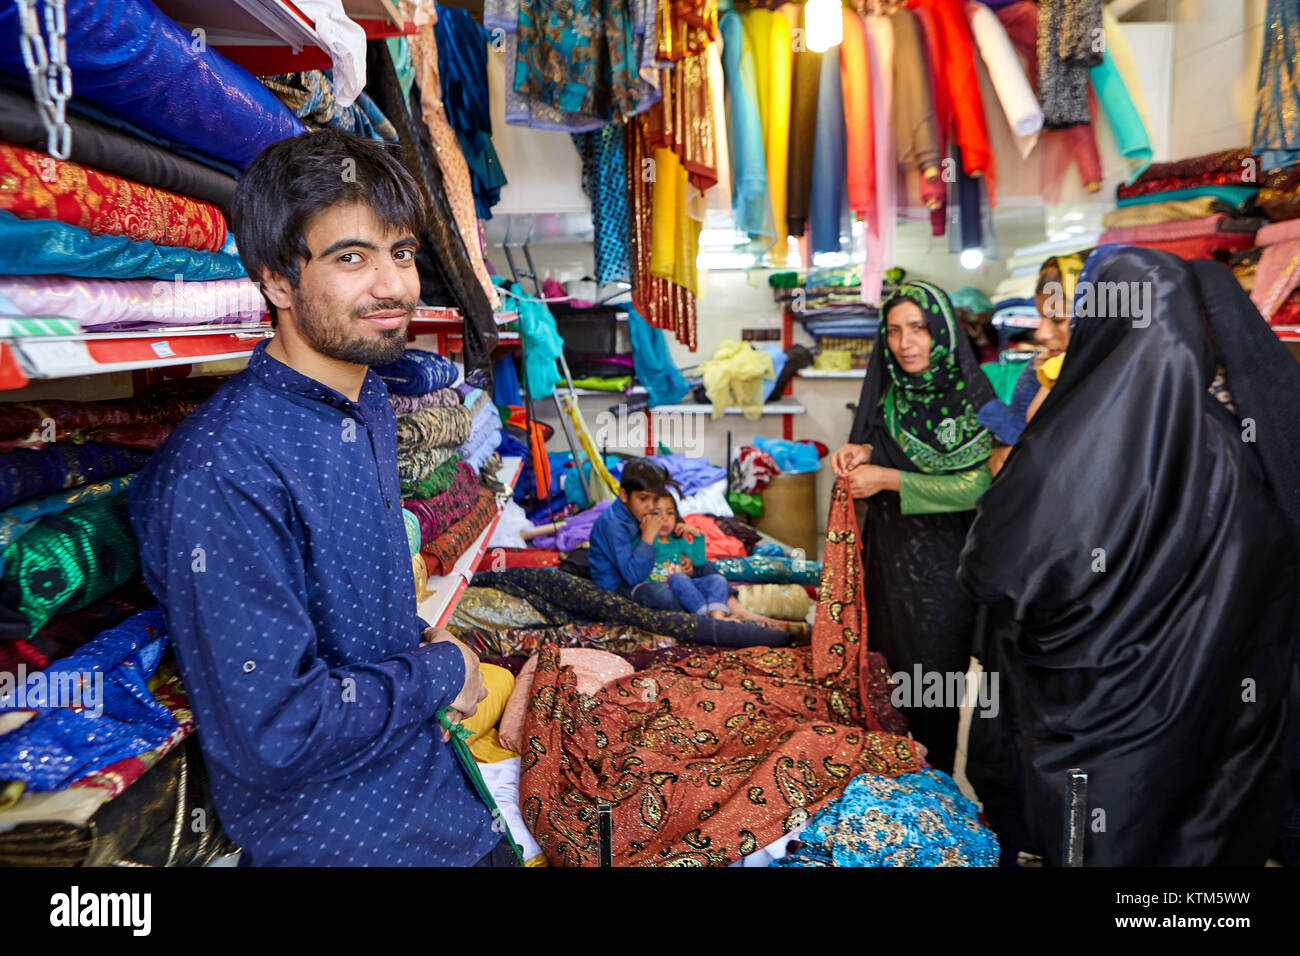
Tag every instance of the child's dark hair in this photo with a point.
(641, 474)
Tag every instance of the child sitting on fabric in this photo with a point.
(622, 549)
(680, 563)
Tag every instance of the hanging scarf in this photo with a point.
(932, 414)
(1276, 137)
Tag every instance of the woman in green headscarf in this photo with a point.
(918, 457)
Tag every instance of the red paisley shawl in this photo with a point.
(708, 758)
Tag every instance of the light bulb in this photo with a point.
(823, 24)
(972, 259)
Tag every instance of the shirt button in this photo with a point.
(249, 667)
(387, 503)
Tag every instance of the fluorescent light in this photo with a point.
(823, 24)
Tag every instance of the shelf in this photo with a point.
(445, 591)
(1288, 333)
(776, 408)
(600, 392)
(832, 373)
(267, 37)
(23, 358)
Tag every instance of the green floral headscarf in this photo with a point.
(932, 415)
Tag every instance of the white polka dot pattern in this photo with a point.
(270, 528)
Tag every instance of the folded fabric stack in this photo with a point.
(1192, 208)
(64, 471)
(446, 442)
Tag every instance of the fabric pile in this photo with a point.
(447, 436)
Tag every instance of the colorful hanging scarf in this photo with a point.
(704, 760)
(37, 186)
(67, 561)
(604, 180)
(932, 415)
(920, 819)
(1276, 136)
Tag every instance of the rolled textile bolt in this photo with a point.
(529, 533)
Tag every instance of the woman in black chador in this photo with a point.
(1139, 553)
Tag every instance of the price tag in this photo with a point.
(162, 349)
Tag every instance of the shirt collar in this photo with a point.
(276, 375)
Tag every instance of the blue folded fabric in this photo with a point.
(418, 372)
(46, 246)
(128, 57)
(792, 457)
(59, 744)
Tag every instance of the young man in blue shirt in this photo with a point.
(270, 528)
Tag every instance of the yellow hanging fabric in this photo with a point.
(603, 484)
(777, 130)
(674, 236)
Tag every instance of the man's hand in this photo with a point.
(472, 691)
(683, 530)
(688, 566)
(850, 457)
(866, 480)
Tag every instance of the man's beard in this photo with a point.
(327, 335)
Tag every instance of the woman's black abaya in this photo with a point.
(1141, 576)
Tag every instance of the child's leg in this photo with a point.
(715, 589)
(688, 595)
(656, 595)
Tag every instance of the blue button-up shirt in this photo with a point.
(271, 531)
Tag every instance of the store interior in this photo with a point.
(575, 315)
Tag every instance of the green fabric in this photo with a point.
(1004, 376)
(930, 414)
(460, 735)
(616, 384)
(437, 481)
(70, 560)
(745, 502)
(940, 494)
(21, 518)
(21, 326)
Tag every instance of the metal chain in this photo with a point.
(50, 75)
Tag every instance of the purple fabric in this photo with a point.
(576, 530)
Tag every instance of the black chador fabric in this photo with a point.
(446, 275)
(1141, 573)
(916, 612)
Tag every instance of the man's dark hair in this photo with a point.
(291, 180)
(641, 474)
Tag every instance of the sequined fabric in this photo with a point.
(437, 514)
(37, 186)
(488, 610)
(441, 553)
(618, 639)
(427, 472)
(919, 819)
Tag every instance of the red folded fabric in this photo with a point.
(717, 543)
(501, 559)
(1228, 167)
(1203, 247)
(440, 555)
(1178, 229)
(37, 186)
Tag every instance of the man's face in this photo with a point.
(356, 293)
(639, 503)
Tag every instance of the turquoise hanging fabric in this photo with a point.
(654, 366)
(542, 343)
(750, 209)
(1125, 122)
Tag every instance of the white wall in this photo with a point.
(1217, 45)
